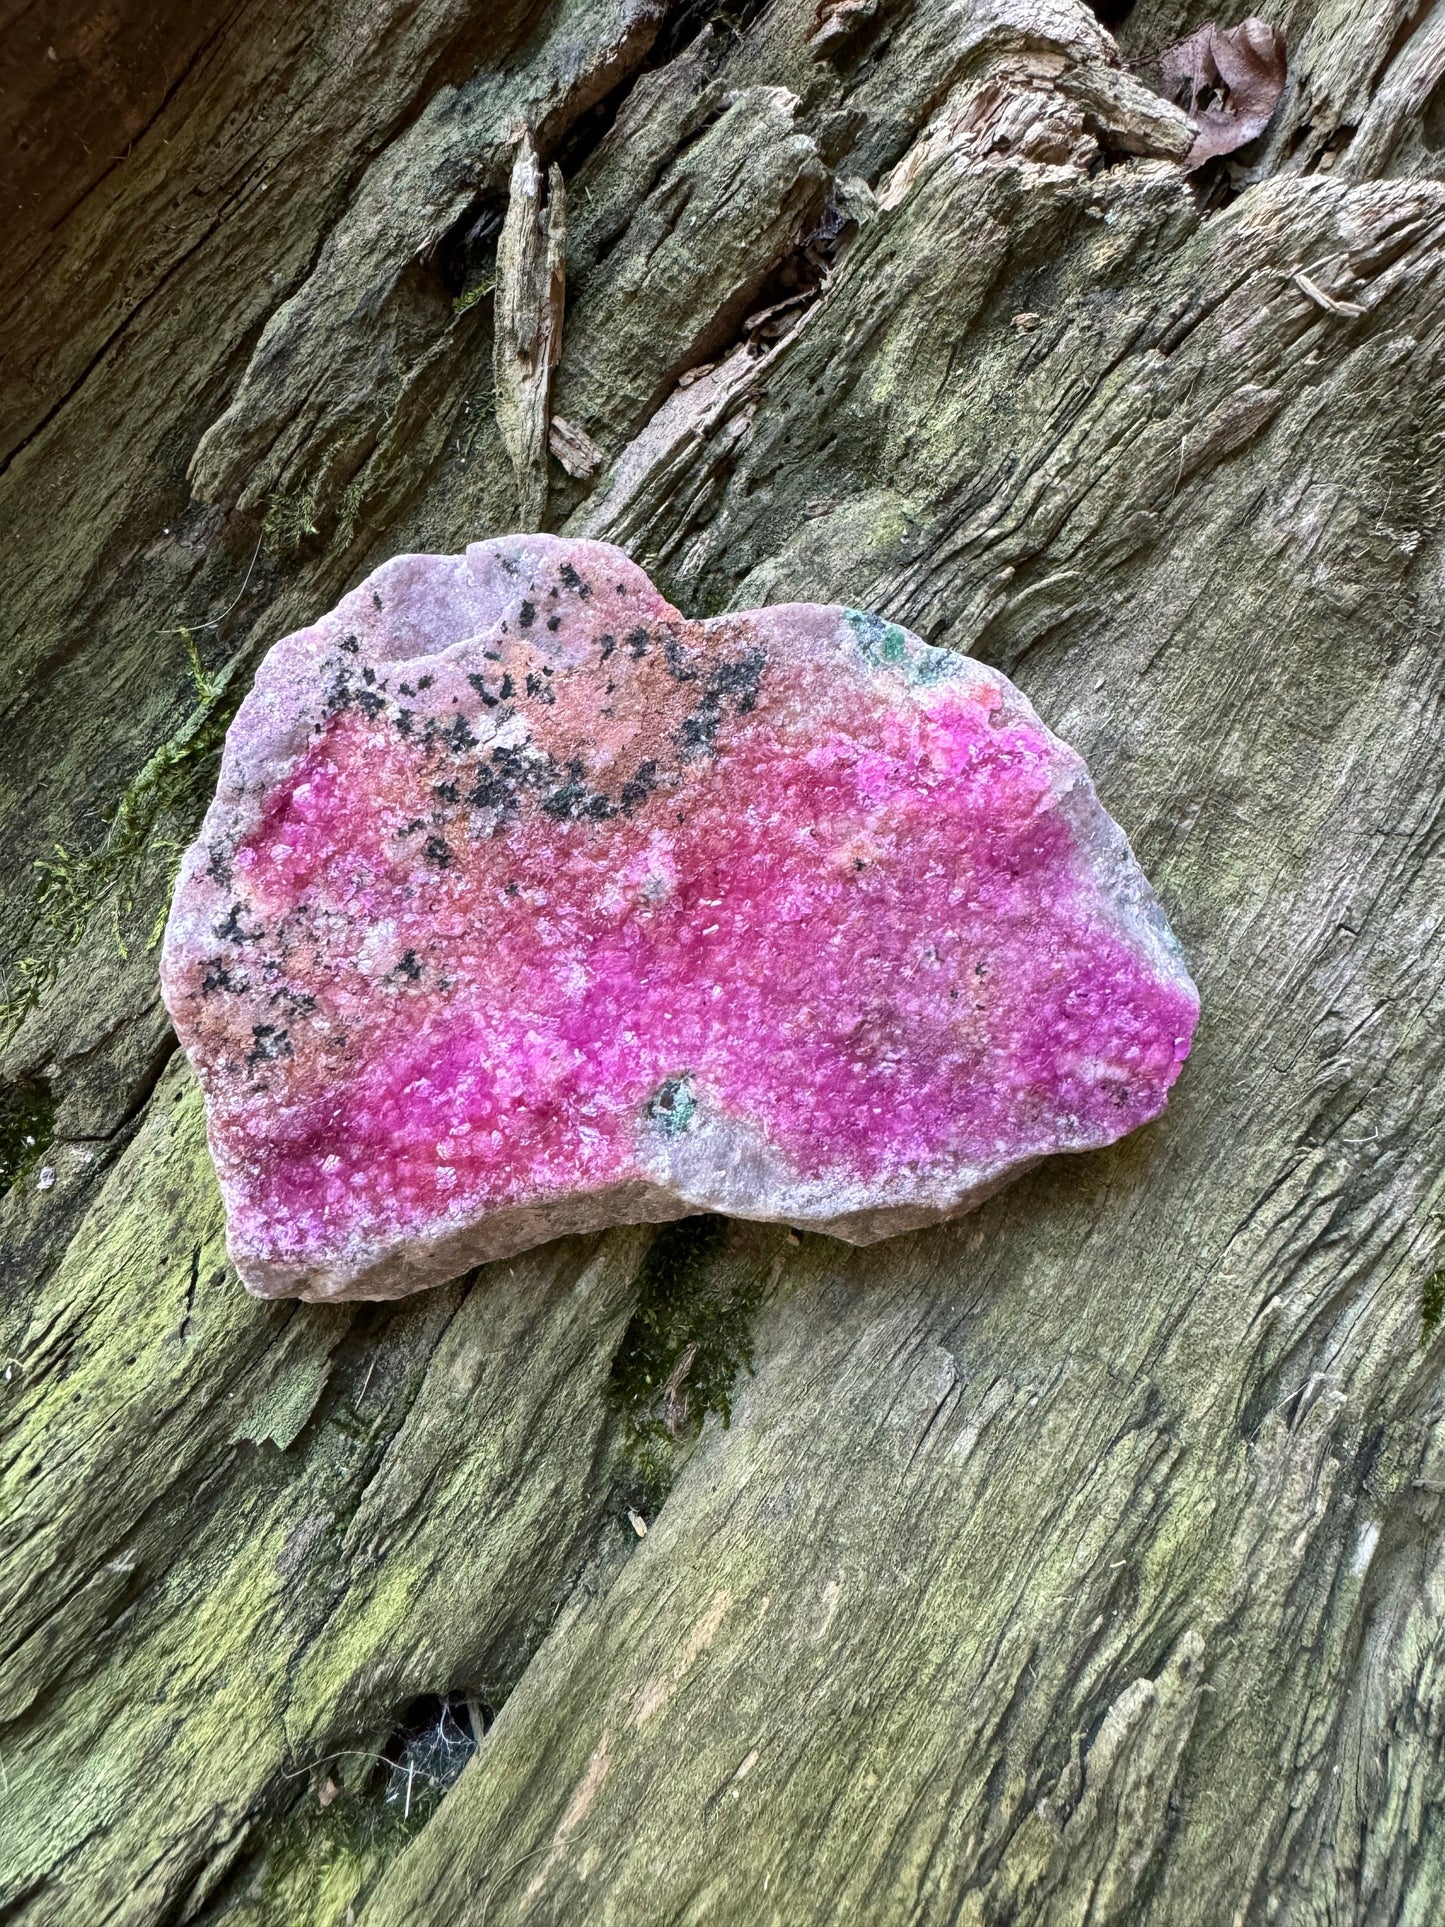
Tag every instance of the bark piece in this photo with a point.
(840, 22)
(527, 906)
(1125, 114)
(578, 453)
(690, 258)
(531, 286)
(346, 384)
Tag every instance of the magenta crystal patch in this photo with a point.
(527, 906)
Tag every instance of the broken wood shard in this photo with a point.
(527, 342)
(527, 906)
(1332, 304)
(575, 450)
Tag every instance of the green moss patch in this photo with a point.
(686, 1342)
(27, 1124)
(1432, 1304)
(154, 818)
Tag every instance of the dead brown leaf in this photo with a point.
(1228, 80)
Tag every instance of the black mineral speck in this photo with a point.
(677, 662)
(268, 1042)
(230, 931)
(498, 788)
(737, 682)
(438, 851)
(574, 801)
(638, 788)
(741, 680)
(527, 615)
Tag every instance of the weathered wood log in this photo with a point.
(1079, 1563)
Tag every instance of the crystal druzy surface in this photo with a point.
(526, 906)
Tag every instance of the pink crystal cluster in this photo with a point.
(526, 906)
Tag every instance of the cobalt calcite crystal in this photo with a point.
(527, 906)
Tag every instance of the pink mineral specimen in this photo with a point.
(527, 906)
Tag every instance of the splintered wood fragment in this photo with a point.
(770, 321)
(574, 449)
(1329, 302)
(1124, 115)
(675, 1402)
(531, 287)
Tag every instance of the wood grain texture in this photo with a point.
(1081, 1563)
(531, 297)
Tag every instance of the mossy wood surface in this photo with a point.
(1081, 1563)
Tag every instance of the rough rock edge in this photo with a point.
(720, 1162)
